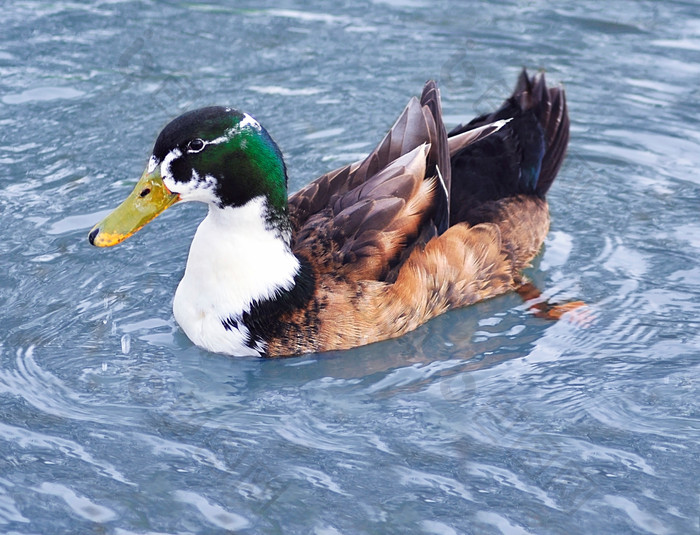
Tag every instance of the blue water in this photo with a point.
(486, 420)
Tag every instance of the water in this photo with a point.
(484, 421)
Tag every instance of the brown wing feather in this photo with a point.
(315, 196)
(363, 231)
(357, 221)
(415, 126)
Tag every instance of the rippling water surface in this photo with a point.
(487, 420)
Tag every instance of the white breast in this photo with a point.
(234, 260)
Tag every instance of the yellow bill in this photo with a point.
(149, 198)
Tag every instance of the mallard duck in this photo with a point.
(429, 221)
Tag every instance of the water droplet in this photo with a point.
(126, 344)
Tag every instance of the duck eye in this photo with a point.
(195, 145)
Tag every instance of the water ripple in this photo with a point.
(34, 441)
(30, 382)
(317, 479)
(213, 513)
(410, 477)
(312, 432)
(8, 506)
(80, 505)
(42, 94)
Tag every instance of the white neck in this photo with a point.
(234, 260)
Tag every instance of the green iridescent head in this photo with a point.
(215, 155)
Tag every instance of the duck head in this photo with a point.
(216, 155)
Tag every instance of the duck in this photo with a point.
(429, 221)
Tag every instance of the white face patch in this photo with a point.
(152, 163)
(165, 172)
(248, 121)
(197, 188)
(221, 139)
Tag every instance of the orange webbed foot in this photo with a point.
(577, 311)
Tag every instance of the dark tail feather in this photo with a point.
(530, 149)
(557, 137)
(549, 107)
